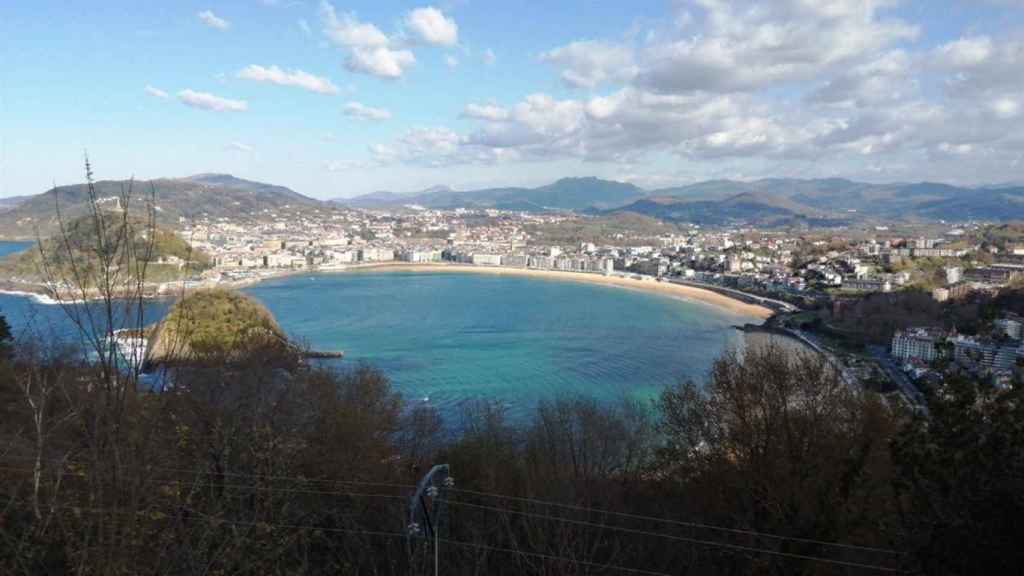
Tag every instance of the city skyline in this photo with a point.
(340, 99)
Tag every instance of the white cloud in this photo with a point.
(802, 88)
(965, 52)
(451, 61)
(430, 25)
(623, 127)
(430, 141)
(383, 153)
(370, 50)
(207, 101)
(281, 77)
(240, 147)
(156, 92)
(489, 57)
(348, 31)
(958, 149)
(547, 116)
(435, 147)
(980, 67)
(1005, 107)
(485, 112)
(212, 20)
(363, 112)
(349, 165)
(746, 46)
(305, 27)
(887, 78)
(379, 61)
(586, 64)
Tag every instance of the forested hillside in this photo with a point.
(771, 466)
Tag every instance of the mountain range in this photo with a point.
(565, 194)
(773, 201)
(767, 202)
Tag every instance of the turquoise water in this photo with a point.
(449, 337)
(12, 247)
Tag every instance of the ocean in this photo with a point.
(12, 247)
(445, 338)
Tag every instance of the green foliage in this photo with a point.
(167, 243)
(213, 323)
(80, 254)
(1002, 236)
(619, 229)
(207, 195)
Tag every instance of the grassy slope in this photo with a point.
(28, 264)
(190, 199)
(211, 323)
(616, 228)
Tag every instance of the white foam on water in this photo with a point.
(35, 296)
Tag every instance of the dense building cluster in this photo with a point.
(806, 265)
(997, 355)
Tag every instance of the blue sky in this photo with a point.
(342, 98)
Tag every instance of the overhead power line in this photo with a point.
(734, 547)
(379, 533)
(677, 522)
(725, 545)
(233, 474)
(551, 557)
(185, 483)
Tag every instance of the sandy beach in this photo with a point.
(689, 293)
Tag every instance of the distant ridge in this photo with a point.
(384, 197)
(190, 198)
(564, 194)
(824, 200)
(765, 202)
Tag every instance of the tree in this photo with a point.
(961, 472)
(777, 442)
(6, 338)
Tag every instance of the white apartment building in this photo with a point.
(916, 344)
(487, 259)
(376, 254)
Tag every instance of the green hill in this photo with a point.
(214, 324)
(168, 257)
(565, 194)
(192, 199)
(752, 208)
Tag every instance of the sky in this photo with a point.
(336, 98)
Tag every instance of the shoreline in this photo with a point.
(37, 297)
(680, 291)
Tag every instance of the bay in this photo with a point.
(450, 337)
(446, 338)
(12, 247)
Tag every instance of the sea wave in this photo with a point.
(35, 296)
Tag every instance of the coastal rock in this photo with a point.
(215, 325)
